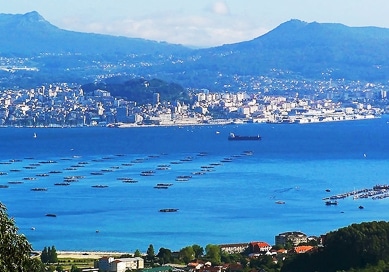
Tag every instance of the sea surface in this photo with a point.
(232, 201)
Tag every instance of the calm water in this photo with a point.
(233, 202)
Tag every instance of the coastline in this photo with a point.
(86, 254)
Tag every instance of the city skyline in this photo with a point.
(203, 23)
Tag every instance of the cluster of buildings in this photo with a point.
(252, 250)
(62, 105)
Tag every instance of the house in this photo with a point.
(259, 247)
(108, 264)
(234, 248)
(296, 237)
(302, 249)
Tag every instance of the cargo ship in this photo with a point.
(233, 137)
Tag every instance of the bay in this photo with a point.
(233, 201)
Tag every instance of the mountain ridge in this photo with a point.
(296, 48)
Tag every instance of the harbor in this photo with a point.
(379, 191)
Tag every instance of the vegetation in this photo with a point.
(141, 90)
(359, 247)
(15, 250)
(49, 255)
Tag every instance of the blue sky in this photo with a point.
(201, 23)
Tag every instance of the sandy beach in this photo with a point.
(87, 254)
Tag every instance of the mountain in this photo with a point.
(295, 49)
(310, 49)
(28, 34)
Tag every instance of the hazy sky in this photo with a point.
(198, 22)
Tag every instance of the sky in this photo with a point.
(197, 23)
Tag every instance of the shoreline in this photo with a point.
(68, 254)
(217, 122)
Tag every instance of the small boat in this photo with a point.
(42, 175)
(62, 184)
(29, 178)
(15, 182)
(280, 202)
(32, 228)
(51, 215)
(168, 210)
(164, 184)
(161, 187)
(184, 177)
(329, 202)
(99, 186)
(34, 135)
(129, 181)
(3, 186)
(233, 137)
(39, 189)
(361, 207)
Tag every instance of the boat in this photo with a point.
(62, 184)
(15, 182)
(280, 202)
(34, 136)
(161, 187)
(99, 186)
(39, 189)
(164, 184)
(361, 207)
(3, 186)
(51, 215)
(129, 181)
(168, 210)
(233, 137)
(329, 202)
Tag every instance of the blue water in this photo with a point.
(234, 203)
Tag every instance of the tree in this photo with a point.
(45, 255)
(199, 251)
(213, 254)
(14, 248)
(53, 257)
(164, 255)
(187, 254)
(137, 253)
(150, 253)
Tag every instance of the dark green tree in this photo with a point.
(213, 254)
(150, 254)
(137, 253)
(358, 246)
(164, 255)
(187, 254)
(53, 256)
(198, 250)
(45, 255)
(14, 248)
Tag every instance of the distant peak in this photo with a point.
(293, 23)
(34, 16)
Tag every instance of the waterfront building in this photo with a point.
(108, 264)
(234, 248)
(295, 237)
